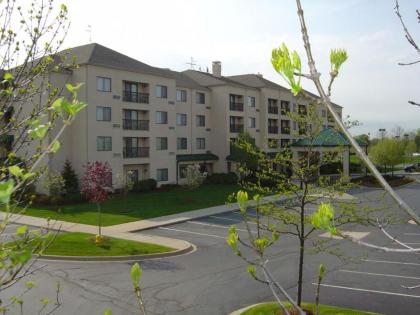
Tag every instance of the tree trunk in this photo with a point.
(300, 281)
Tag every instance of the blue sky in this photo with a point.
(241, 33)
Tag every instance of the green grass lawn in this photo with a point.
(138, 206)
(82, 244)
(273, 308)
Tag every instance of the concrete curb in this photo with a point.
(240, 311)
(133, 258)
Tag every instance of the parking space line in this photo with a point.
(368, 290)
(229, 219)
(378, 274)
(391, 262)
(191, 232)
(217, 226)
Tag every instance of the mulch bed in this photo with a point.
(393, 181)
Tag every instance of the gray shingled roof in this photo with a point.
(209, 80)
(98, 55)
(256, 81)
(182, 80)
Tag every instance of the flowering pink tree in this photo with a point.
(97, 185)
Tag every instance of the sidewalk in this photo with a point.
(176, 244)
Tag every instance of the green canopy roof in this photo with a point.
(196, 157)
(328, 137)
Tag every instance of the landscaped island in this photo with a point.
(273, 308)
(83, 244)
(137, 206)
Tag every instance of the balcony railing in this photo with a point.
(239, 107)
(136, 97)
(135, 152)
(273, 129)
(133, 124)
(273, 110)
(236, 128)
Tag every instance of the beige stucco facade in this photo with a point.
(227, 108)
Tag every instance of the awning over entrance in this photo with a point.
(328, 137)
(196, 157)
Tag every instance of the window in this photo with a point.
(103, 143)
(200, 120)
(294, 125)
(251, 101)
(285, 107)
(324, 113)
(285, 143)
(103, 84)
(161, 117)
(161, 91)
(103, 113)
(161, 143)
(181, 95)
(181, 143)
(200, 98)
(162, 174)
(181, 119)
(251, 122)
(200, 143)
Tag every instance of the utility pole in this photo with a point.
(89, 30)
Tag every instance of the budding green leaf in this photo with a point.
(16, 171)
(323, 218)
(242, 199)
(252, 271)
(136, 275)
(55, 147)
(21, 230)
(321, 271)
(337, 58)
(108, 311)
(288, 66)
(6, 190)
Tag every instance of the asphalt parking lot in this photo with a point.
(373, 281)
(212, 280)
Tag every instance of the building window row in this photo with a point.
(138, 146)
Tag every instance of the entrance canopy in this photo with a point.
(328, 137)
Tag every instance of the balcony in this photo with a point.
(136, 97)
(236, 128)
(273, 110)
(273, 129)
(239, 107)
(136, 152)
(133, 124)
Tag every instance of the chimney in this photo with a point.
(217, 69)
(259, 75)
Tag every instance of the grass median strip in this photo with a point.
(83, 244)
(273, 308)
(138, 206)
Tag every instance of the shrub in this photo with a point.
(71, 181)
(222, 178)
(145, 185)
(331, 168)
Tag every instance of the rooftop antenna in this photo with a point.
(89, 30)
(192, 63)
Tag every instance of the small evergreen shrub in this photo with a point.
(222, 178)
(145, 185)
(71, 181)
